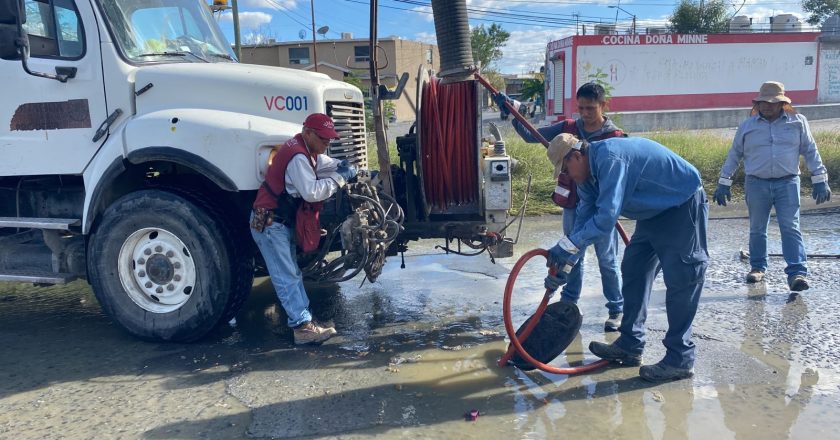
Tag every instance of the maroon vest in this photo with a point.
(570, 126)
(275, 177)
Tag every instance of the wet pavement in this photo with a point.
(418, 349)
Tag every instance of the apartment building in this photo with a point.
(350, 56)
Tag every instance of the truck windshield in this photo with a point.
(166, 31)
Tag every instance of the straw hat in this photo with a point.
(772, 91)
(559, 147)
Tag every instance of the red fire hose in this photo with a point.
(516, 341)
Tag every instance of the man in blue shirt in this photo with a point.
(770, 142)
(644, 181)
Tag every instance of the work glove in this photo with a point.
(821, 192)
(500, 99)
(722, 193)
(562, 257)
(346, 170)
(554, 282)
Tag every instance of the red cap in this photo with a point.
(322, 125)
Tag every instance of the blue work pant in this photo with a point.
(676, 239)
(278, 250)
(783, 194)
(606, 249)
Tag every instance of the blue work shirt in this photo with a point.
(634, 177)
(771, 149)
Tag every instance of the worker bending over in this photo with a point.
(644, 181)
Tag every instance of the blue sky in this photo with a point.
(532, 23)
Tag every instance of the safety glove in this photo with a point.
(500, 100)
(722, 193)
(820, 191)
(561, 258)
(346, 170)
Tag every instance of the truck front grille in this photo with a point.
(349, 118)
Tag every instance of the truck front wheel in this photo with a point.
(162, 267)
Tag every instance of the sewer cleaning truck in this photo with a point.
(133, 143)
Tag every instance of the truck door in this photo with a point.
(46, 126)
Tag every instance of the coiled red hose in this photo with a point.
(449, 153)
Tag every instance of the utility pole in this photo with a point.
(237, 45)
(376, 108)
(314, 35)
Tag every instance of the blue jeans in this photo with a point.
(606, 250)
(277, 247)
(676, 239)
(783, 194)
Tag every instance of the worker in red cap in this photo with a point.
(300, 171)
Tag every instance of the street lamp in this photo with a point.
(619, 8)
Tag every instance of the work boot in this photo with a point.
(613, 353)
(660, 372)
(798, 283)
(613, 322)
(755, 276)
(309, 333)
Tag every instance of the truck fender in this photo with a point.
(228, 141)
(224, 146)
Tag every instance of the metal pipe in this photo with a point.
(314, 40)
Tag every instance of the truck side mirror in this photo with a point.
(11, 17)
(14, 41)
(8, 42)
(11, 11)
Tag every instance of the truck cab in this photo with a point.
(133, 143)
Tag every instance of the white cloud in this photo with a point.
(525, 50)
(269, 4)
(248, 20)
(426, 37)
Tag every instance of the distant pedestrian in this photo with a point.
(769, 143)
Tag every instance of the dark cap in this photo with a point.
(322, 125)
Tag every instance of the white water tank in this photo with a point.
(740, 24)
(604, 29)
(786, 23)
(346, 36)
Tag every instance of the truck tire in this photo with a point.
(163, 267)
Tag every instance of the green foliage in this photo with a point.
(600, 78)
(388, 107)
(706, 152)
(487, 44)
(691, 17)
(819, 10)
(533, 87)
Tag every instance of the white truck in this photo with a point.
(132, 144)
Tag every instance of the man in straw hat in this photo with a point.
(644, 181)
(770, 142)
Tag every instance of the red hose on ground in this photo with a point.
(516, 343)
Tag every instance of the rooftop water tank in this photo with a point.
(786, 23)
(740, 24)
(604, 29)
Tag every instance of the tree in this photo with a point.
(533, 87)
(691, 17)
(487, 43)
(819, 10)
